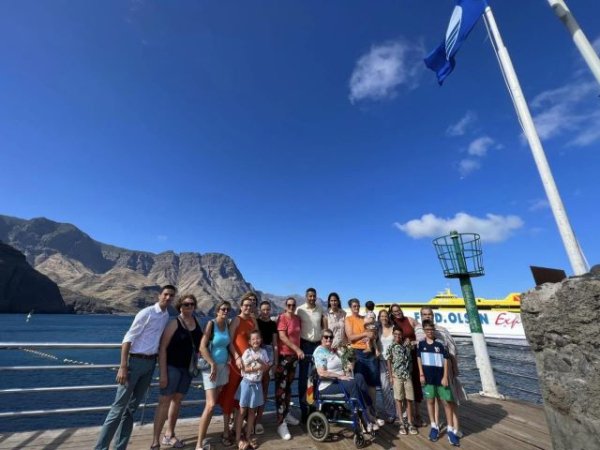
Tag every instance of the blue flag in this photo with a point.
(465, 15)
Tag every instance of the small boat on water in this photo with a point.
(500, 318)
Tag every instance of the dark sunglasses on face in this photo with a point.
(291, 305)
(224, 308)
(328, 337)
(187, 304)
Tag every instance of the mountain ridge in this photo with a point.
(119, 279)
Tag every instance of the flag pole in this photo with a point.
(564, 227)
(563, 13)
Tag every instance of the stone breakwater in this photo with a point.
(562, 325)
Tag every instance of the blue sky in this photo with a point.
(305, 139)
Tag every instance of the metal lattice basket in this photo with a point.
(460, 254)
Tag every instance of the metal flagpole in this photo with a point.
(562, 11)
(564, 227)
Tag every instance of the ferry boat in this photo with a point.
(500, 318)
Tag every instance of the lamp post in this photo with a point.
(460, 257)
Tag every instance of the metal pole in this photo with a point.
(482, 358)
(563, 13)
(564, 226)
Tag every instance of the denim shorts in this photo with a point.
(179, 381)
(221, 379)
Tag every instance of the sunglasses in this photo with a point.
(291, 305)
(188, 304)
(224, 308)
(328, 337)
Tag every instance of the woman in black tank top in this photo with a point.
(179, 341)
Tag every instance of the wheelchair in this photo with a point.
(339, 408)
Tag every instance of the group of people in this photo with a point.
(239, 357)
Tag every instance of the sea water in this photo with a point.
(513, 364)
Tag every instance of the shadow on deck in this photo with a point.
(486, 423)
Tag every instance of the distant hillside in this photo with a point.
(23, 289)
(96, 277)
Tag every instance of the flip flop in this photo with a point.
(172, 442)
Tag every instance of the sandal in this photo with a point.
(254, 443)
(172, 441)
(243, 445)
(226, 440)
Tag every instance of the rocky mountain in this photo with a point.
(97, 277)
(23, 289)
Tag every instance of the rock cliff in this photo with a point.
(23, 289)
(562, 324)
(96, 277)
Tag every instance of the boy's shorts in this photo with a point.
(431, 391)
(403, 389)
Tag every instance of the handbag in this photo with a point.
(197, 363)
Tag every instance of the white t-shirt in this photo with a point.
(251, 358)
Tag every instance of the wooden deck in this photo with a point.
(486, 423)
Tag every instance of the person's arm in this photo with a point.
(123, 367)
(324, 321)
(445, 377)
(234, 354)
(139, 323)
(275, 343)
(204, 343)
(162, 352)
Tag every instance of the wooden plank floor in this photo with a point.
(487, 424)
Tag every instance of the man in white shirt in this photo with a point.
(138, 359)
(313, 320)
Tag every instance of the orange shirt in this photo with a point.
(357, 326)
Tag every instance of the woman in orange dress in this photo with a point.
(239, 330)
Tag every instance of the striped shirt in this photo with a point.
(432, 359)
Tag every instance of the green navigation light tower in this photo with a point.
(460, 256)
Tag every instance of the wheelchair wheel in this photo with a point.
(317, 426)
(359, 440)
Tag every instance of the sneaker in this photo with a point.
(380, 422)
(372, 427)
(434, 433)
(412, 429)
(283, 432)
(402, 431)
(259, 429)
(291, 420)
(453, 439)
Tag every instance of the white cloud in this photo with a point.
(378, 74)
(461, 127)
(492, 228)
(480, 146)
(467, 166)
(570, 109)
(538, 204)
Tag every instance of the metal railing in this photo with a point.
(86, 366)
(76, 365)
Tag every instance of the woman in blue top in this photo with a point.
(214, 349)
